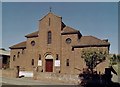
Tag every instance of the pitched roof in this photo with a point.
(49, 14)
(89, 41)
(34, 34)
(69, 30)
(19, 45)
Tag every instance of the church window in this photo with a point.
(67, 62)
(49, 37)
(68, 40)
(32, 62)
(14, 58)
(32, 43)
(39, 57)
(57, 57)
(18, 54)
(23, 51)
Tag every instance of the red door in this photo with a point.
(49, 65)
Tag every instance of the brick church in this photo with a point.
(55, 47)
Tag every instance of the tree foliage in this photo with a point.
(118, 57)
(114, 59)
(93, 57)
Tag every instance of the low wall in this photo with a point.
(26, 73)
(8, 73)
(57, 77)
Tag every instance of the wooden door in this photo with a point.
(49, 65)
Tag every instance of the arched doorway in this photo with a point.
(49, 63)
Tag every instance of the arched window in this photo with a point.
(39, 57)
(57, 57)
(32, 62)
(67, 62)
(49, 37)
(14, 58)
(18, 54)
(23, 51)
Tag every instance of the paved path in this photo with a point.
(116, 78)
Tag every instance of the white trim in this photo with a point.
(49, 57)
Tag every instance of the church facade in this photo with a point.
(55, 47)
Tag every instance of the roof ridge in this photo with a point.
(48, 14)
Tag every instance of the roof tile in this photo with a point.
(34, 34)
(19, 45)
(68, 29)
(91, 40)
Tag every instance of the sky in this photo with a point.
(99, 19)
(59, 0)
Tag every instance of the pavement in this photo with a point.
(28, 81)
(116, 78)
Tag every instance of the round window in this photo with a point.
(32, 43)
(68, 40)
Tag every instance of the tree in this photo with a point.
(115, 59)
(93, 57)
(118, 57)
